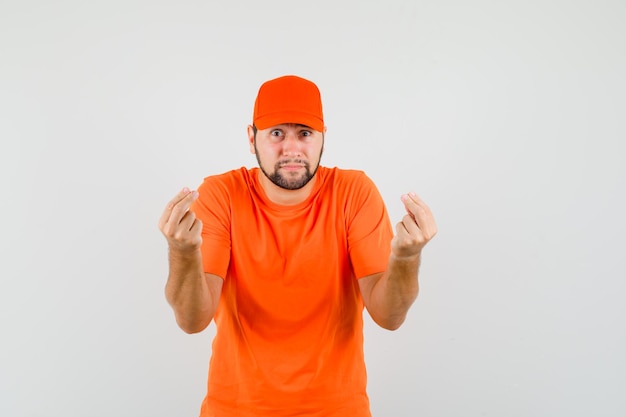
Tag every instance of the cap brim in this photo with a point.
(299, 118)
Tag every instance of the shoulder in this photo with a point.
(218, 193)
(226, 188)
(229, 177)
(347, 179)
(229, 181)
(344, 175)
(352, 189)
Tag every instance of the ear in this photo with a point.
(251, 139)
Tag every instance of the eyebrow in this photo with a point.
(300, 126)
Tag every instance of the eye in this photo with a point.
(306, 133)
(276, 132)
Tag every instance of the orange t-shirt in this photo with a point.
(289, 339)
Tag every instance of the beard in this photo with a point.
(291, 181)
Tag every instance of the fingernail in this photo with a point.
(412, 194)
(185, 190)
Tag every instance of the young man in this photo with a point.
(284, 258)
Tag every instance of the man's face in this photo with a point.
(288, 154)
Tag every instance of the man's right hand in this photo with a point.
(179, 224)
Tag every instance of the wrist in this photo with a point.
(406, 258)
(183, 253)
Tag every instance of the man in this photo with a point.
(284, 258)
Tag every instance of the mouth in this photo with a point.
(292, 165)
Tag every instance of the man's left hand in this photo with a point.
(416, 228)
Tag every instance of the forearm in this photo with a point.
(188, 293)
(396, 290)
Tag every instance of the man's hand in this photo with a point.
(179, 225)
(389, 295)
(416, 228)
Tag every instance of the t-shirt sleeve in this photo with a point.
(369, 228)
(212, 208)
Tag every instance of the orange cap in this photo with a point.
(288, 99)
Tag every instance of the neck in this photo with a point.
(278, 195)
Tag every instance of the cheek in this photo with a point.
(266, 158)
(315, 153)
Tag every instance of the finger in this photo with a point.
(411, 206)
(425, 217)
(188, 234)
(420, 212)
(187, 221)
(408, 240)
(421, 203)
(409, 227)
(178, 206)
(196, 228)
(170, 206)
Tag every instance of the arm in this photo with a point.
(192, 294)
(389, 295)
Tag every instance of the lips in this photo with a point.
(293, 164)
(291, 167)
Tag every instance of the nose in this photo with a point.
(291, 145)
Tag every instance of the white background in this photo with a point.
(507, 117)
